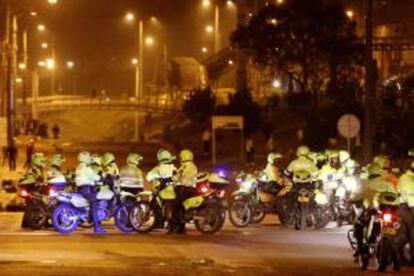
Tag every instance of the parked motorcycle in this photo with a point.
(204, 208)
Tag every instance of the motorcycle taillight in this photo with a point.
(387, 217)
(203, 188)
(24, 193)
(52, 192)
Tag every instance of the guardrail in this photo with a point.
(161, 103)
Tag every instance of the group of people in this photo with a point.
(92, 168)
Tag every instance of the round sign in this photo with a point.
(349, 126)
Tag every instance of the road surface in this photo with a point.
(266, 249)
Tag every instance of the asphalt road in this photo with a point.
(266, 249)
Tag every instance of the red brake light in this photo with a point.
(24, 193)
(203, 188)
(387, 217)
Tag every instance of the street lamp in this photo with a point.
(209, 29)
(204, 50)
(50, 64)
(149, 41)
(44, 45)
(70, 64)
(41, 28)
(350, 14)
(276, 84)
(22, 66)
(52, 2)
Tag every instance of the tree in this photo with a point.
(311, 41)
(200, 105)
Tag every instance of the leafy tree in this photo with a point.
(200, 105)
(311, 41)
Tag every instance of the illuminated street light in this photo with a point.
(149, 41)
(134, 61)
(350, 14)
(206, 3)
(276, 84)
(280, 1)
(44, 45)
(50, 63)
(230, 3)
(19, 80)
(41, 63)
(209, 29)
(33, 13)
(52, 2)
(129, 17)
(22, 66)
(41, 28)
(230, 62)
(204, 50)
(70, 64)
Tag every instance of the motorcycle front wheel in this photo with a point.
(240, 213)
(65, 219)
(143, 217)
(121, 218)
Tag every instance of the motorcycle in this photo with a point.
(382, 233)
(244, 201)
(312, 206)
(74, 209)
(40, 201)
(204, 208)
(341, 194)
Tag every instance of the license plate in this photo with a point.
(389, 231)
(303, 199)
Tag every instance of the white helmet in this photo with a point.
(84, 157)
(344, 156)
(164, 156)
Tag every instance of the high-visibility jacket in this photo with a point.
(406, 188)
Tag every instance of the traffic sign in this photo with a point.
(349, 126)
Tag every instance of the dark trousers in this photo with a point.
(407, 214)
(12, 164)
(183, 193)
(89, 192)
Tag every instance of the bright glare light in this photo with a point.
(209, 29)
(70, 64)
(44, 45)
(50, 63)
(22, 66)
(280, 1)
(230, 3)
(204, 50)
(273, 21)
(19, 80)
(41, 27)
(33, 13)
(134, 61)
(350, 14)
(149, 41)
(41, 63)
(129, 17)
(52, 2)
(276, 84)
(230, 62)
(206, 3)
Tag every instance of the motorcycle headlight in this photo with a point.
(340, 192)
(246, 185)
(350, 183)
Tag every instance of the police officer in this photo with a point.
(406, 190)
(273, 178)
(332, 172)
(185, 178)
(164, 172)
(131, 176)
(109, 166)
(35, 173)
(302, 164)
(96, 163)
(54, 172)
(86, 178)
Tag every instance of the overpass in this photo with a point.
(148, 104)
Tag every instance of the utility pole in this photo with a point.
(242, 59)
(369, 114)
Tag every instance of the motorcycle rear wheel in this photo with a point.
(35, 216)
(212, 221)
(143, 217)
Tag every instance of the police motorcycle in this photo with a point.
(341, 189)
(73, 209)
(40, 199)
(383, 232)
(204, 208)
(244, 201)
(311, 204)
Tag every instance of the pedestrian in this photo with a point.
(249, 150)
(12, 155)
(56, 131)
(206, 140)
(29, 153)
